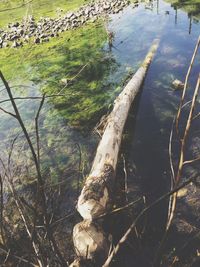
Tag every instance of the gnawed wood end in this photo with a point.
(81, 263)
(90, 241)
(95, 198)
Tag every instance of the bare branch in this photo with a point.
(17, 257)
(7, 112)
(182, 154)
(186, 83)
(144, 211)
(36, 128)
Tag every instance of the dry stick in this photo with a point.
(39, 176)
(32, 97)
(171, 167)
(19, 207)
(191, 161)
(37, 128)
(25, 222)
(125, 179)
(171, 160)
(38, 158)
(131, 228)
(17, 257)
(186, 82)
(182, 154)
(127, 206)
(1, 209)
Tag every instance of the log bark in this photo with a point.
(90, 241)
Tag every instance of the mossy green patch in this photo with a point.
(76, 56)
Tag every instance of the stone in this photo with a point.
(15, 44)
(178, 85)
(37, 40)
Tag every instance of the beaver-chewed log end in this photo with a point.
(81, 263)
(90, 242)
(95, 198)
(91, 208)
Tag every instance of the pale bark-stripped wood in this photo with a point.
(95, 196)
(90, 241)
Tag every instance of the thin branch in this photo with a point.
(186, 83)
(125, 178)
(145, 210)
(73, 78)
(182, 154)
(129, 205)
(196, 116)
(37, 130)
(191, 161)
(32, 97)
(7, 112)
(17, 257)
(39, 176)
(1, 209)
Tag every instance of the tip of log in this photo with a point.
(90, 242)
(80, 263)
(95, 197)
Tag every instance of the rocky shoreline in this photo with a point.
(18, 34)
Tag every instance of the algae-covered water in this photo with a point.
(88, 74)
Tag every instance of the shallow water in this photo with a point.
(68, 120)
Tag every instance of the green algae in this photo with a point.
(63, 58)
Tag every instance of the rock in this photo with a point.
(37, 40)
(15, 44)
(5, 44)
(49, 27)
(64, 81)
(178, 85)
(16, 24)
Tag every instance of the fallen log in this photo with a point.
(90, 241)
(95, 196)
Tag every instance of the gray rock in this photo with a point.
(15, 44)
(37, 40)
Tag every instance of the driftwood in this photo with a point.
(90, 242)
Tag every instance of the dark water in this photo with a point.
(146, 151)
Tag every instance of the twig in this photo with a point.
(73, 78)
(32, 97)
(131, 228)
(186, 82)
(125, 178)
(182, 154)
(7, 112)
(39, 176)
(79, 168)
(129, 205)
(1, 209)
(17, 257)
(37, 130)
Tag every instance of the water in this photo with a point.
(69, 120)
